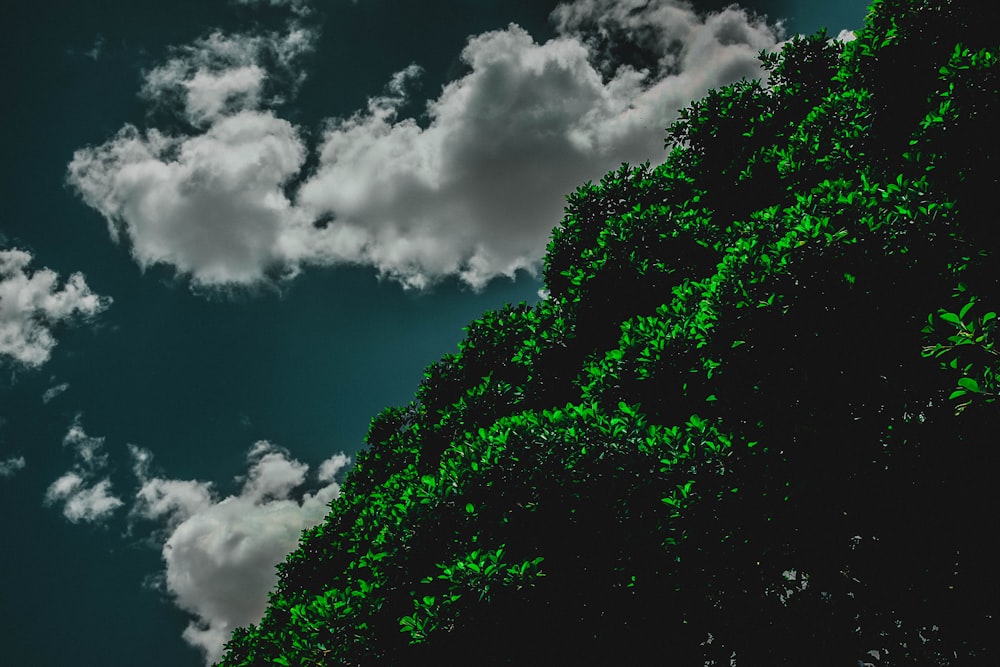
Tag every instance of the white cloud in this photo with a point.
(54, 391)
(95, 51)
(89, 450)
(82, 502)
(82, 498)
(222, 74)
(473, 192)
(846, 36)
(210, 205)
(332, 467)
(220, 554)
(32, 303)
(170, 501)
(658, 35)
(10, 466)
(477, 191)
(209, 202)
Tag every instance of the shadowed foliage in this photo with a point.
(753, 421)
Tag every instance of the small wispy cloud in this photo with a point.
(84, 492)
(81, 499)
(93, 52)
(33, 303)
(54, 391)
(96, 49)
(10, 466)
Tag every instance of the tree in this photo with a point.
(752, 421)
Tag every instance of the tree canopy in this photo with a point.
(752, 422)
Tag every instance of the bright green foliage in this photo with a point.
(722, 433)
(970, 352)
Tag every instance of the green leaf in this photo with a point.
(958, 393)
(965, 309)
(970, 384)
(470, 508)
(951, 317)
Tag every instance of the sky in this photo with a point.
(232, 231)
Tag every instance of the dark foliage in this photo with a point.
(753, 423)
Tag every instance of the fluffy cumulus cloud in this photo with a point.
(33, 302)
(207, 200)
(10, 466)
(477, 191)
(220, 552)
(84, 492)
(210, 205)
(472, 192)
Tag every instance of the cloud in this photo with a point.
(210, 205)
(89, 450)
(332, 467)
(95, 51)
(10, 466)
(170, 501)
(32, 303)
(83, 502)
(472, 191)
(82, 498)
(208, 201)
(665, 37)
(220, 554)
(222, 74)
(54, 391)
(476, 192)
(846, 36)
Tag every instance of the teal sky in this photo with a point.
(298, 237)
